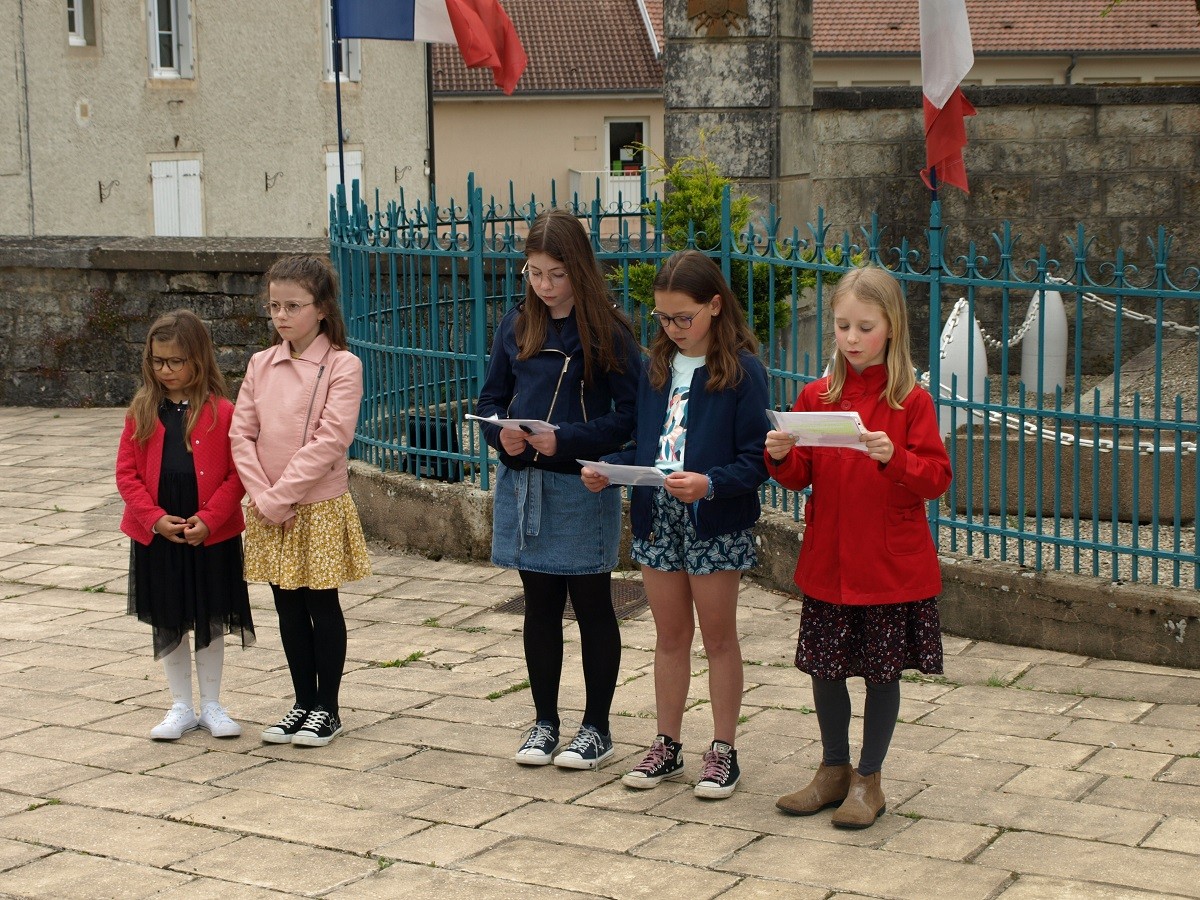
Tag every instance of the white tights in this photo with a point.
(209, 662)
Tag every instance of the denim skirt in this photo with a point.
(549, 522)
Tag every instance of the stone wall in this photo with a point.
(1121, 160)
(74, 311)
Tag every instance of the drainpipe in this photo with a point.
(24, 69)
(1070, 69)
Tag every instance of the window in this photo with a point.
(351, 69)
(354, 171)
(170, 23)
(623, 156)
(177, 202)
(81, 23)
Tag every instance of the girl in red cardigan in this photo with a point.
(183, 511)
(868, 566)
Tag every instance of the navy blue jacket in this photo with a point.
(593, 420)
(726, 432)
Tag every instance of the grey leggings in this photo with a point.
(879, 721)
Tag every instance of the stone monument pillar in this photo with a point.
(738, 87)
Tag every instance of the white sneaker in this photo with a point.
(216, 721)
(180, 719)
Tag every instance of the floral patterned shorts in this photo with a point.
(674, 547)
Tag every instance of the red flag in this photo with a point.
(945, 136)
(486, 37)
(946, 57)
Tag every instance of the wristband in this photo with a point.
(711, 490)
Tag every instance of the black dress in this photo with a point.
(176, 588)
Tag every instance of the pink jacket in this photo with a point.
(293, 424)
(220, 491)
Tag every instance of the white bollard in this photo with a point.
(966, 380)
(1050, 345)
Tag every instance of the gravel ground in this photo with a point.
(955, 542)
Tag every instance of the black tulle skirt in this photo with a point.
(177, 588)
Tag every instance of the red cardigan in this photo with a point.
(219, 488)
(866, 537)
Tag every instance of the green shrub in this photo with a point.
(691, 217)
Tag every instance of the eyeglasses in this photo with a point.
(173, 364)
(284, 309)
(683, 322)
(554, 278)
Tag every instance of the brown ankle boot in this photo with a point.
(864, 803)
(828, 788)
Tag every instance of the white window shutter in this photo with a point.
(164, 177)
(191, 213)
(185, 43)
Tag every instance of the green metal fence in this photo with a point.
(1075, 455)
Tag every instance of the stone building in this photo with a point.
(182, 117)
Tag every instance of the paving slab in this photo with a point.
(622, 877)
(74, 876)
(1171, 874)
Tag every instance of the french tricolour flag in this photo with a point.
(946, 57)
(481, 28)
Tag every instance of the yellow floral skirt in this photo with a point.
(324, 549)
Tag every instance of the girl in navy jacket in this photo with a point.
(702, 420)
(567, 356)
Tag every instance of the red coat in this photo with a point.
(866, 537)
(220, 490)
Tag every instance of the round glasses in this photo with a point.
(683, 322)
(554, 279)
(284, 309)
(171, 364)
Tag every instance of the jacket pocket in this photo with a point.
(905, 529)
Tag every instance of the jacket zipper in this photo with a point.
(582, 403)
(557, 388)
(311, 402)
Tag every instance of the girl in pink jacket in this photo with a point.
(868, 566)
(292, 426)
(183, 511)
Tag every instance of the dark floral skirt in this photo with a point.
(872, 642)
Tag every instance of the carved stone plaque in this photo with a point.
(718, 18)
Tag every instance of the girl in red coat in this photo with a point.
(183, 511)
(868, 566)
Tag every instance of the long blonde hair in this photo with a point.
(207, 384)
(878, 287)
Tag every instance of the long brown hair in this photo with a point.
(315, 275)
(691, 272)
(206, 385)
(878, 287)
(560, 236)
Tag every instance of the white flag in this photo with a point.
(946, 54)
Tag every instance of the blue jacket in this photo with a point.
(593, 420)
(726, 432)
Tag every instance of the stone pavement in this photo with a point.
(1020, 774)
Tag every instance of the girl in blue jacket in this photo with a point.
(702, 420)
(565, 355)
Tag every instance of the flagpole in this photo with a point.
(429, 175)
(337, 81)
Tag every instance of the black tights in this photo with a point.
(313, 631)
(599, 634)
(879, 721)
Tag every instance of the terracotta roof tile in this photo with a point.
(574, 46)
(862, 27)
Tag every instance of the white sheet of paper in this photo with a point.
(821, 429)
(529, 426)
(641, 475)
